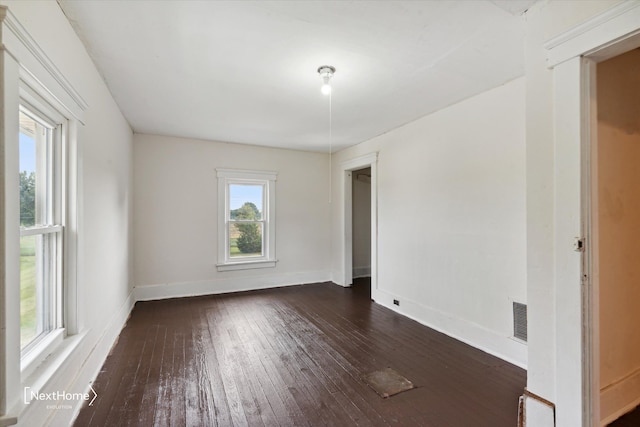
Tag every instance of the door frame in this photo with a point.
(369, 160)
(573, 57)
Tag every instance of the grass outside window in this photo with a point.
(28, 290)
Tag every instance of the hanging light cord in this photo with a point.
(326, 72)
(330, 147)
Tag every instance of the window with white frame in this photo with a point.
(246, 219)
(41, 150)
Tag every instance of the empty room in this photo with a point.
(319, 213)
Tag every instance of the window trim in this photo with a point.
(28, 69)
(36, 101)
(227, 177)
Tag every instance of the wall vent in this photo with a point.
(520, 321)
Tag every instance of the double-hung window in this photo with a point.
(41, 142)
(246, 219)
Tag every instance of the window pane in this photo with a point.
(27, 178)
(39, 267)
(245, 202)
(34, 170)
(245, 239)
(32, 290)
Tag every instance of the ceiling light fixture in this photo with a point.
(326, 72)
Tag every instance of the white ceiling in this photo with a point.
(245, 71)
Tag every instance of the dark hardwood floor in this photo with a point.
(294, 356)
(632, 419)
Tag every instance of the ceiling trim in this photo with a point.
(37, 66)
(617, 24)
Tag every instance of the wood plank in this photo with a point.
(151, 389)
(200, 403)
(283, 405)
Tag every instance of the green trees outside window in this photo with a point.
(249, 240)
(27, 199)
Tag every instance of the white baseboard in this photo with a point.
(76, 373)
(361, 272)
(620, 397)
(504, 347)
(221, 286)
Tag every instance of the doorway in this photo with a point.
(361, 230)
(350, 168)
(615, 230)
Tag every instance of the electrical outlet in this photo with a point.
(396, 302)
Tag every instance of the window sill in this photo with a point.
(39, 370)
(246, 265)
(34, 358)
(6, 420)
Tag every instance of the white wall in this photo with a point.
(451, 218)
(175, 218)
(539, 190)
(361, 222)
(104, 270)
